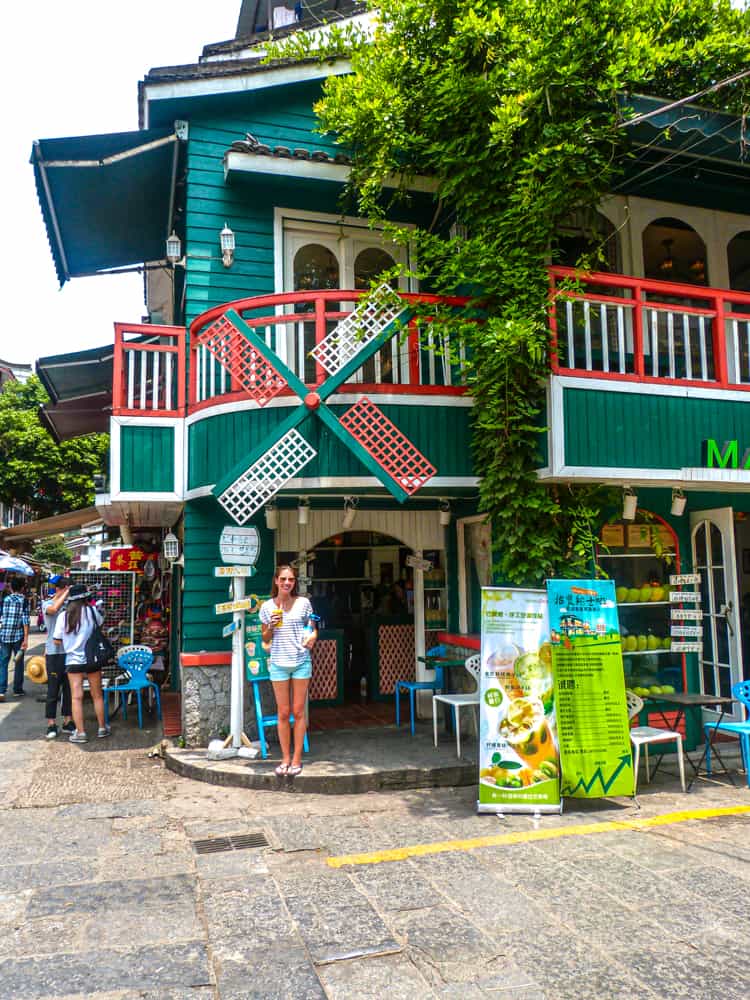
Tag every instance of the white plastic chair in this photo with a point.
(456, 701)
(643, 736)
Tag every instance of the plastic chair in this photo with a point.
(644, 736)
(741, 692)
(136, 661)
(456, 701)
(264, 721)
(437, 684)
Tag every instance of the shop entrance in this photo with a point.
(715, 558)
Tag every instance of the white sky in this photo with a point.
(73, 69)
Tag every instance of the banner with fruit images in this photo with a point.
(591, 706)
(518, 758)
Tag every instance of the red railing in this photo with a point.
(614, 327)
(149, 371)
(292, 324)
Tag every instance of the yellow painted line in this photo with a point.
(523, 837)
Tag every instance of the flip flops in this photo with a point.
(293, 770)
(282, 770)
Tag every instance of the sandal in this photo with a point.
(293, 770)
(282, 770)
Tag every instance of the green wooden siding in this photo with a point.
(217, 443)
(634, 430)
(201, 626)
(147, 459)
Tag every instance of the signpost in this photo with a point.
(415, 562)
(234, 570)
(231, 627)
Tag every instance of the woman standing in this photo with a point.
(73, 629)
(283, 623)
(57, 678)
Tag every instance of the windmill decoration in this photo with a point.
(363, 428)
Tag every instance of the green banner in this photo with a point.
(256, 657)
(591, 706)
(518, 759)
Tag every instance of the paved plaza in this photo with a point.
(106, 892)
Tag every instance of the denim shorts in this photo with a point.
(302, 672)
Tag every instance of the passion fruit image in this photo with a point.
(534, 675)
(523, 718)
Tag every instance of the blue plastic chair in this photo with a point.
(136, 661)
(741, 692)
(438, 684)
(264, 721)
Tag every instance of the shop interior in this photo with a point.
(358, 579)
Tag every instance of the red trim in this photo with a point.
(176, 335)
(205, 659)
(650, 379)
(454, 639)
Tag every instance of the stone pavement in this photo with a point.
(105, 892)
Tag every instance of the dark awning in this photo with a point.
(77, 374)
(106, 199)
(88, 415)
(688, 154)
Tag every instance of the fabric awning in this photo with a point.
(54, 525)
(688, 154)
(106, 199)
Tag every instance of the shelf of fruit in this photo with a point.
(652, 692)
(645, 652)
(647, 594)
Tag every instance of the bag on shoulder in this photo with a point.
(99, 650)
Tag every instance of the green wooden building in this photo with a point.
(258, 396)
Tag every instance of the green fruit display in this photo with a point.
(646, 591)
(622, 594)
(642, 643)
(634, 595)
(642, 692)
(666, 642)
(657, 593)
(630, 644)
(667, 689)
(654, 642)
(655, 689)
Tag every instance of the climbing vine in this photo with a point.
(513, 110)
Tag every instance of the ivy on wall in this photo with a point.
(514, 109)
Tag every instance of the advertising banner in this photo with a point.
(518, 758)
(591, 707)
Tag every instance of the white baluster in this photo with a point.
(155, 381)
(131, 379)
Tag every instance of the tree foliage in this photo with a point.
(34, 471)
(52, 552)
(514, 108)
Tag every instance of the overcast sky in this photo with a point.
(73, 69)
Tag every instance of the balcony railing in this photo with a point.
(292, 324)
(612, 326)
(149, 371)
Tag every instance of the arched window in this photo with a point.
(369, 264)
(315, 267)
(673, 251)
(738, 259)
(587, 236)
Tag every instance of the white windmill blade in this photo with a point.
(358, 329)
(265, 477)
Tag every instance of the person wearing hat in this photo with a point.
(57, 678)
(73, 629)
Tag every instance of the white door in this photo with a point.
(712, 535)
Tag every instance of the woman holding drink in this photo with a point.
(286, 622)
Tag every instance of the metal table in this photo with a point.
(682, 701)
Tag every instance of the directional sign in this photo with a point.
(234, 571)
(679, 578)
(687, 647)
(414, 562)
(231, 627)
(684, 597)
(239, 545)
(246, 604)
(695, 631)
(686, 615)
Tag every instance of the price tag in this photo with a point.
(234, 570)
(687, 647)
(687, 630)
(684, 597)
(679, 578)
(686, 615)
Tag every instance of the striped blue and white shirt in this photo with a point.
(286, 646)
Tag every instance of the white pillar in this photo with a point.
(237, 710)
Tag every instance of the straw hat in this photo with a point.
(36, 670)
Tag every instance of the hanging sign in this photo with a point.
(234, 571)
(691, 630)
(256, 658)
(126, 560)
(686, 615)
(591, 705)
(414, 562)
(239, 545)
(684, 597)
(678, 578)
(231, 627)
(687, 647)
(518, 759)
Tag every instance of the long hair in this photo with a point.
(277, 574)
(73, 616)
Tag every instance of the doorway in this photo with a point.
(715, 558)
